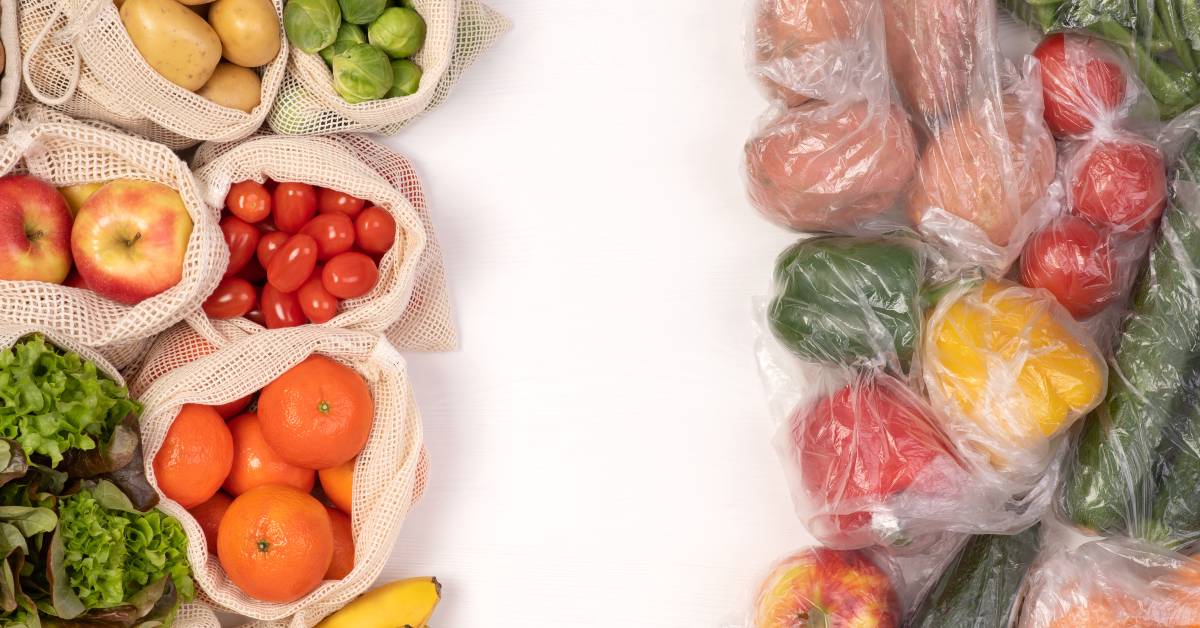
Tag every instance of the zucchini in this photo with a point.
(980, 586)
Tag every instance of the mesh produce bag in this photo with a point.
(458, 32)
(411, 296)
(63, 152)
(77, 57)
(389, 477)
(10, 83)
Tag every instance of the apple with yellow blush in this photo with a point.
(825, 587)
(35, 231)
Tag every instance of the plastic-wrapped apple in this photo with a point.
(824, 587)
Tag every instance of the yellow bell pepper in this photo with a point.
(1011, 374)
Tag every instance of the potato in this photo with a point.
(176, 42)
(249, 30)
(192, 3)
(233, 86)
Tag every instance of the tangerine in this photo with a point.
(343, 545)
(318, 414)
(195, 457)
(209, 515)
(275, 543)
(338, 484)
(256, 464)
(235, 407)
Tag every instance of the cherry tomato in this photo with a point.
(334, 234)
(318, 305)
(334, 202)
(233, 297)
(376, 230)
(1120, 182)
(280, 309)
(249, 200)
(254, 272)
(349, 275)
(233, 408)
(295, 205)
(1073, 260)
(241, 237)
(1081, 82)
(268, 244)
(256, 316)
(292, 263)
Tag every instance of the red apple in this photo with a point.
(35, 231)
(130, 238)
(824, 587)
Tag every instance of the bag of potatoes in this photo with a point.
(177, 72)
(312, 102)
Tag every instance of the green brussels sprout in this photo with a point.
(362, 11)
(347, 35)
(407, 78)
(399, 32)
(362, 72)
(311, 24)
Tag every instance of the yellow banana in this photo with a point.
(400, 604)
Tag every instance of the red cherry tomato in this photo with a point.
(1081, 82)
(295, 205)
(233, 297)
(1120, 182)
(349, 275)
(241, 237)
(376, 230)
(268, 244)
(334, 234)
(334, 202)
(292, 263)
(233, 408)
(1073, 260)
(254, 272)
(256, 316)
(249, 200)
(280, 309)
(318, 305)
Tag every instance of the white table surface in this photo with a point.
(600, 444)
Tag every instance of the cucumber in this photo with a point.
(1110, 484)
(980, 586)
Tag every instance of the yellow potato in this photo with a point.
(233, 86)
(249, 30)
(193, 3)
(176, 42)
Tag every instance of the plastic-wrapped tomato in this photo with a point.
(268, 244)
(295, 205)
(350, 275)
(334, 234)
(249, 200)
(376, 230)
(280, 309)
(334, 202)
(318, 305)
(1120, 182)
(1082, 81)
(233, 297)
(242, 238)
(1073, 259)
(293, 263)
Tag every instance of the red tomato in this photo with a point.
(334, 234)
(1073, 260)
(1081, 81)
(292, 263)
(350, 275)
(376, 230)
(249, 200)
(256, 316)
(268, 244)
(233, 297)
(280, 309)
(241, 237)
(233, 408)
(318, 305)
(1120, 182)
(334, 202)
(254, 272)
(295, 205)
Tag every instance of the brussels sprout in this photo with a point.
(399, 32)
(311, 24)
(362, 11)
(407, 78)
(347, 35)
(361, 72)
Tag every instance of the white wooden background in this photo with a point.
(600, 445)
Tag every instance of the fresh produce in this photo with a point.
(931, 49)
(982, 583)
(361, 11)
(820, 168)
(75, 195)
(406, 78)
(347, 35)
(821, 587)
(311, 25)
(196, 456)
(1075, 261)
(234, 87)
(848, 300)
(311, 247)
(1082, 82)
(785, 32)
(35, 231)
(408, 602)
(209, 515)
(1009, 373)
(176, 42)
(398, 31)
(1119, 182)
(361, 73)
(338, 484)
(342, 562)
(130, 238)
(256, 464)
(249, 31)
(275, 543)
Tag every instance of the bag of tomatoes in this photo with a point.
(215, 79)
(243, 437)
(319, 97)
(86, 193)
(317, 234)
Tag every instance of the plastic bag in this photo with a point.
(819, 586)
(933, 47)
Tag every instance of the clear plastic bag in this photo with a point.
(840, 588)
